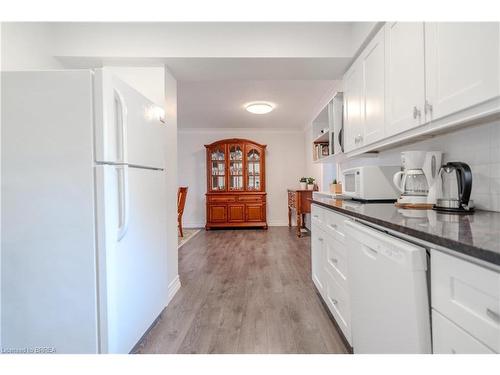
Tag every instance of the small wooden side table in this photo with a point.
(298, 200)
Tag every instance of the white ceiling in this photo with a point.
(220, 104)
(222, 66)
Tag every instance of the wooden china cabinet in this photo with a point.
(236, 184)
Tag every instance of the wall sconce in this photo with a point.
(155, 112)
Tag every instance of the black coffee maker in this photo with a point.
(456, 179)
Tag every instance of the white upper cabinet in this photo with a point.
(462, 65)
(429, 76)
(353, 107)
(373, 62)
(405, 76)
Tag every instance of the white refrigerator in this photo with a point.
(83, 257)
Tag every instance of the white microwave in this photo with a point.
(370, 183)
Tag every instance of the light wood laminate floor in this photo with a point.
(245, 291)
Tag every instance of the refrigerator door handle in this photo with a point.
(123, 193)
(121, 126)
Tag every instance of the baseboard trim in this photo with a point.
(278, 223)
(173, 288)
(269, 223)
(194, 225)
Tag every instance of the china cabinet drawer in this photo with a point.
(468, 295)
(448, 338)
(222, 199)
(337, 300)
(250, 198)
(336, 260)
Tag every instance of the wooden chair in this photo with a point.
(181, 202)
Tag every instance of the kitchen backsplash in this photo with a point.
(478, 146)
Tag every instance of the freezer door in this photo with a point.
(131, 208)
(127, 128)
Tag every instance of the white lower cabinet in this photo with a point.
(448, 338)
(329, 265)
(465, 297)
(469, 296)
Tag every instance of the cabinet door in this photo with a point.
(405, 76)
(373, 61)
(217, 213)
(236, 167)
(353, 97)
(254, 212)
(236, 213)
(217, 168)
(462, 65)
(317, 258)
(254, 157)
(448, 338)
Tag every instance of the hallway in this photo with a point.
(245, 291)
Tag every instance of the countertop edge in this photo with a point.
(454, 246)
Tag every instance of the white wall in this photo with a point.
(360, 34)
(203, 39)
(171, 168)
(478, 146)
(311, 169)
(149, 81)
(284, 166)
(27, 46)
(159, 86)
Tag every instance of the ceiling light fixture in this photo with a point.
(259, 108)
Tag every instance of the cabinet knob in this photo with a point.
(428, 107)
(493, 315)
(416, 112)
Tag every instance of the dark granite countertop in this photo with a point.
(476, 235)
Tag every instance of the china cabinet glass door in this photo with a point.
(218, 168)
(253, 160)
(235, 167)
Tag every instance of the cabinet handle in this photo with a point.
(320, 239)
(416, 112)
(334, 301)
(493, 315)
(335, 260)
(427, 107)
(333, 226)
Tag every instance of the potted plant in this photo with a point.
(310, 183)
(335, 187)
(303, 183)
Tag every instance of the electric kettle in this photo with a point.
(456, 183)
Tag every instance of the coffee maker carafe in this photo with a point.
(456, 183)
(418, 179)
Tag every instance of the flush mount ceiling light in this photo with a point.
(259, 108)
